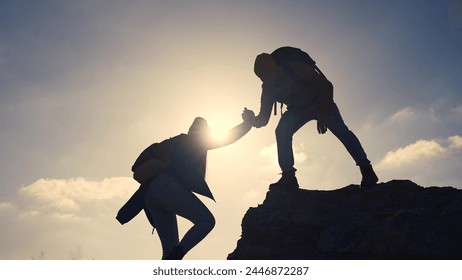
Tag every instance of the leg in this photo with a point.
(172, 197)
(353, 146)
(167, 228)
(347, 137)
(289, 124)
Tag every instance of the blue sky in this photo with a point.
(86, 85)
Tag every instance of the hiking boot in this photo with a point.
(177, 253)
(287, 181)
(369, 179)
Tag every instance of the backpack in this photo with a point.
(145, 168)
(286, 54)
(283, 55)
(143, 172)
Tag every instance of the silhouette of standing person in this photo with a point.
(169, 173)
(290, 77)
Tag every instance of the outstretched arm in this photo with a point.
(236, 132)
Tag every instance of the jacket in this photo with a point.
(183, 160)
(299, 87)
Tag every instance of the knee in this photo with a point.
(206, 221)
(209, 222)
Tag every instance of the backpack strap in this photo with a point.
(276, 106)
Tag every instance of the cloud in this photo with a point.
(402, 114)
(6, 206)
(56, 215)
(72, 200)
(50, 218)
(270, 156)
(440, 111)
(70, 194)
(422, 151)
(455, 142)
(269, 153)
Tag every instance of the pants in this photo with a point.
(165, 198)
(291, 122)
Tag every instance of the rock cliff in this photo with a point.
(394, 220)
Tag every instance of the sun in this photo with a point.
(219, 132)
(219, 128)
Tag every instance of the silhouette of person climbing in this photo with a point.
(291, 77)
(169, 173)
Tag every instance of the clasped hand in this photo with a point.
(248, 116)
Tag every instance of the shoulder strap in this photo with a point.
(276, 106)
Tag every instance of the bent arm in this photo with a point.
(266, 104)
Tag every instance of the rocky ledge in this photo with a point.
(394, 220)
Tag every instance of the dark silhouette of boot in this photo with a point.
(177, 253)
(369, 179)
(287, 181)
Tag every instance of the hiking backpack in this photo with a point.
(283, 55)
(287, 54)
(143, 172)
(144, 169)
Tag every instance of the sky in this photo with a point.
(85, 86)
